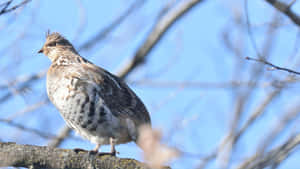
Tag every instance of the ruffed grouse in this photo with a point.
(95, 103)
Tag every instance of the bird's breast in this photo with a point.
(59, 90)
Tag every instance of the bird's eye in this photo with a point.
(52, 44)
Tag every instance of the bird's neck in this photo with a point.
(65, 57)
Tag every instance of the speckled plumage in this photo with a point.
(95, 103)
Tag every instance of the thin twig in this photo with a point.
(273, 66)
(5, 10)
(104, 32)
(282, 124)
(273, 157)
(62, 135)
(27, 129)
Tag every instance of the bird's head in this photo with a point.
(55, 43)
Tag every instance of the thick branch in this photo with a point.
(29, 156)
(157, 32)
(285, 9)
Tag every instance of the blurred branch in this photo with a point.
(82, 20)
(210, 85)
(104, 32)
(24, 83)
(157, 32)
(28, 156)
(204, 161)
(258, 112)
(27, 129)
(282, 124)
(242, 96)
(5, 5)
(273, 157)
(28, 108)
(285, 9)
(231, 139)
(272, 65)
(62, 135)
(163, 24)
(100, 36)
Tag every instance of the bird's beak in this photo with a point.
(41, 51)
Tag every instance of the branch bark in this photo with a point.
(12, 154)
(285, 9)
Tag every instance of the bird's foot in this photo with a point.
(77, 150)
(108, 153)
(92, 152)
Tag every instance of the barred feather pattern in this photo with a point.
(92, 101)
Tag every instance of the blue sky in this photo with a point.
(192, 50)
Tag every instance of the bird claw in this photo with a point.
(92, 152)
(108, 153)
(77, 150)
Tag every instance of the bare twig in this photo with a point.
(104, 32)
(207, 159)
(283, 122)
(4, 10)
(229, 143)
(23, 82)
(82, 20)
(62, 135)
(273, 157)
(28, 108)
(210, 85)
(27, 129)
(273, 66)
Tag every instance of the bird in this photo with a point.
(98, 105)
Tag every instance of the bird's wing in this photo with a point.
(117, 96)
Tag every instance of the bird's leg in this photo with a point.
(112, 146)
(113, 151)
(95, 150)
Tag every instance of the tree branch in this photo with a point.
(162, 25)
(273, 66)
(104, 32)
(273, 157)
(285, 9)
(12, 154)
(4, 10)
